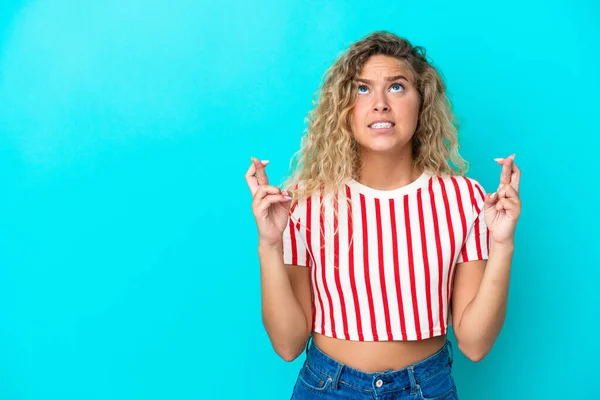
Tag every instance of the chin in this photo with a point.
(384, 145)
(374, 148)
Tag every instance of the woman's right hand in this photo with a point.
(270, 205)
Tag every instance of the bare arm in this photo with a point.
(480, 297)
(286, 302)
(286, 296)
(479, 301)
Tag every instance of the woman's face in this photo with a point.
(384, 93)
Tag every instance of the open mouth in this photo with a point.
(382, 125)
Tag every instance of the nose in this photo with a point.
(381, 104)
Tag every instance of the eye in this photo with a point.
(399, 85)
(361, 86)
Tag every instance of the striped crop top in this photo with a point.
(383, 268)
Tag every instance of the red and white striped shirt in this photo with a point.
(387, 273)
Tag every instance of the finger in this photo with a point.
(490, 200)
(502, 191)
(507, 204)
(261, 175)
(264, 191)
(515, 179)
(508, 191)
(499, 160)
(506, 171)
(271, 199)
(251, 179)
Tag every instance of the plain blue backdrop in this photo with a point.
(128, 265)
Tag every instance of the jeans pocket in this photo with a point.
(439, 386)
(315, 381)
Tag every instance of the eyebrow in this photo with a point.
(389, 79)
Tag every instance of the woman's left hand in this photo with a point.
(503, 208)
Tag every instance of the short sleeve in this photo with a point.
(294, 247)
(476, 246)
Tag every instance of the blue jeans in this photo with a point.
(322, 377)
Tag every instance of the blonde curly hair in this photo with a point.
(329, 155)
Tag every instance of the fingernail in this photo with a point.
(251, 158)
(288, 197)
(513, 156)
(265, 162)
(498, 159)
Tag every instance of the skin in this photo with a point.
(480, 288)
(386, 158)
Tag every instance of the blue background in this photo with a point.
(128, 265)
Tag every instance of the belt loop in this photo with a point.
(413, 382)
(338, 373)
(308, 343)
(450, 352)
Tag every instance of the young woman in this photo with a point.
(378, 244)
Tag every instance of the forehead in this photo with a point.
(379, 67)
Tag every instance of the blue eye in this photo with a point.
(361, 86)
(397, 84)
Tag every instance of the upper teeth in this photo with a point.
(381, 125)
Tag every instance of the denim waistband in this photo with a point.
(384, 381)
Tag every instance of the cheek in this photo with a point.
(358, 112)
(408, 108)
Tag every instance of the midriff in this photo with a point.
(378, 356)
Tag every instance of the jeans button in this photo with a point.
(379, 383)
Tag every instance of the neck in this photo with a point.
(387, 171)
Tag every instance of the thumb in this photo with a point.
(490, 200)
